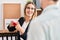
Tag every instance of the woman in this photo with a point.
(23, 23)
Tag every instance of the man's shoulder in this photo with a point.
(38, 19)
(51, 8)
(47, 15)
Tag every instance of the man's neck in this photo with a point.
(50, 3)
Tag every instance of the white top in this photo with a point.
(25, 24)
(46, 26)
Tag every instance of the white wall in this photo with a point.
(22, 2)
(1, 14)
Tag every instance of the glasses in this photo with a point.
(30, 8)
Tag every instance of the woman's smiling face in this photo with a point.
(30, 10)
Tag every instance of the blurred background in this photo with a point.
(14, 9)
(10, 8)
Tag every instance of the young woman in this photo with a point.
(23, 23)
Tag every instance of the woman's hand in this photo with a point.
(13, 23)
(19, 28)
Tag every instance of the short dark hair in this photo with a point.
(55, 0)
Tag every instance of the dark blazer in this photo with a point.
(24, 35)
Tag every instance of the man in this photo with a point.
(47, 25)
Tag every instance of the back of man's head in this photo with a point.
(45, 3)
(55, 0)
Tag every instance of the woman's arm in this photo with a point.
(22, 32)
(20, 29)
(11, 27)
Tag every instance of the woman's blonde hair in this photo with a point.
(34, 14)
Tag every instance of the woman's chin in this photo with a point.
(30, 15)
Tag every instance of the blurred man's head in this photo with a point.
(45, 3)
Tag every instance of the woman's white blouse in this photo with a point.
(25, 24)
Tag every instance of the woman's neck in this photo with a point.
(27, 18)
